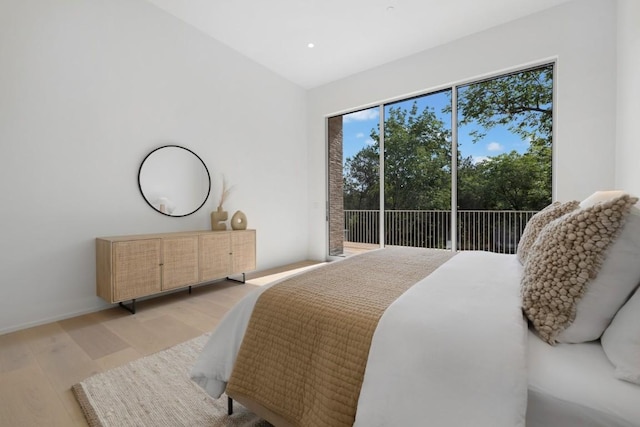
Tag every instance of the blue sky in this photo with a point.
(357, 129)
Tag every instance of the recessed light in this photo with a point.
(390, 9)
(310, 45)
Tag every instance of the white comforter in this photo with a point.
(451, 351)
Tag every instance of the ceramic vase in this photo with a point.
(217, 219)
(239, 221)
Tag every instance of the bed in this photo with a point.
(573, 385)
(453, 349)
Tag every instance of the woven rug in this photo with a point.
(156, 391)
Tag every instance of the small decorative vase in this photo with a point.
(217, 219)
(239, 221)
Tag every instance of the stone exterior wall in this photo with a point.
(336, 198)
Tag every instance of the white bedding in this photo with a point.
(450, 351)
(573, 385)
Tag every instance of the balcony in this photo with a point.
(494, 231)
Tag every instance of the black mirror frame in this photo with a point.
(145, 197)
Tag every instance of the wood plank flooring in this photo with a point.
(39, 365)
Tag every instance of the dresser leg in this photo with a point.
(130, 308)
(244, 279)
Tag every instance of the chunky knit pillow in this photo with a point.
(537, 223)
(564, 259)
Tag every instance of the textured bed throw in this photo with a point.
(306, 346)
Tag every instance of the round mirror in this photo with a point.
(174, 180)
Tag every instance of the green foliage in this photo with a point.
(505, 182)
(521, 101)
(361, 179)
(417, 160)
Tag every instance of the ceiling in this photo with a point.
(349, 36)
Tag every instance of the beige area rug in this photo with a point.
(157, 391)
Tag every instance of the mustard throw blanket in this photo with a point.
(305, 350)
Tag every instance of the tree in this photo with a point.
(513, 182)
(417, 164)
(522, 102)
(417, 160)
(472, 192)
(361, 179)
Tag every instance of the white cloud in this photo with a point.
(360, 135)
(369, 141)
(362, 115)
(479, 159)
(495, 146)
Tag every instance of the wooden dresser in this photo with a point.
(130, 267)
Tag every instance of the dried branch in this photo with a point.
(226, 191)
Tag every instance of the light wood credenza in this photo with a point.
(131, 267)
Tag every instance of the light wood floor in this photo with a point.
(39, 365)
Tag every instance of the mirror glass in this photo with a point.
(174, 180)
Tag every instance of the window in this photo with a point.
(468, 183)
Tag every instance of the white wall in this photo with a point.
(87, 89)
(628, 108)
(580, 34)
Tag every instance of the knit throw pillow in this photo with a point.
(538, 222)
(565, 257)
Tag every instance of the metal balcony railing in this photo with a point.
(495, 231)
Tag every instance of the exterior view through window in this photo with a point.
(466, 184)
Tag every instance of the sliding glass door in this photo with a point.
(417, 171)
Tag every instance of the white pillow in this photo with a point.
(607, 292)
(621, 341)
(599, 197)
(562, 267)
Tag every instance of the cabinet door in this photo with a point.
(136, 268)
(215, 258)
(179, 262)
(243, 251)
